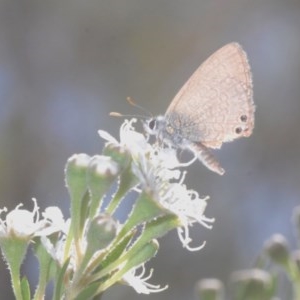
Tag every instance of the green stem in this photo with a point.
(16, 284)
(296, 285)
(294, 274)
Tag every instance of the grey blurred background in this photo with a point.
(64, 65)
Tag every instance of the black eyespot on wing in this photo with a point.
(243, 118)
(238, 130)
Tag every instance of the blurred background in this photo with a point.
(64, 65)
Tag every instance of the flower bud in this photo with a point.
(210, 289)
(75, 174)
(277, 249)
(118, 153)
(296, 259)
(252, 284)
(102, 172)
(101, 232)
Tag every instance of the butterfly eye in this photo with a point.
(152, 124)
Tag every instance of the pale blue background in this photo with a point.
(64, 65)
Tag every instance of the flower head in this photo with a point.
(158, 170)
(140, 284)
(28, 224)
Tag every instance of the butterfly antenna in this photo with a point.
(119, 115)
(132, 102)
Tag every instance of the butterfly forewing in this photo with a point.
(216, 104)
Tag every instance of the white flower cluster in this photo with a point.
(158, 172)
(158, 169)
(25, 224)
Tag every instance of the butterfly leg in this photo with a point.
(207, 158)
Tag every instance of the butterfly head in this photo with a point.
(155, 126)
(164, 131)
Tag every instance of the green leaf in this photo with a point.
(117, 250)
(58, 288)
(145, 209)
(153, 230)
(158, 228)
(118, 256)
(140, 251)
(106, 265)
(141, 256)
(88, 293)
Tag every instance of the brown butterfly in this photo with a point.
(214, 106)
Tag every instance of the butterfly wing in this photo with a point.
(216, 104)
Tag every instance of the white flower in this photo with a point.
(189, 208)
(158, 169)
(25, 224)
(104, 165)
(148, 160)
(130, 139)
(56, 249)
(139, 283)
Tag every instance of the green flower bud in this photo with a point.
(296, 258)
(252, 284)
(75, 177)
(102, 173)
(210, 289)
(101, 232)
(75, 174)
(118, 153)
(277, 249)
